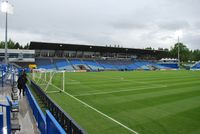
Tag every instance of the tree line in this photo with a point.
(186, 55)
(13, 45)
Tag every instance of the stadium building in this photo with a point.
(18, 55)
(73, 57)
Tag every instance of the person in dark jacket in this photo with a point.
(21, 83)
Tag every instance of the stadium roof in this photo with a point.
(91, 48)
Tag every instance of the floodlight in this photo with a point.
(179, 33)
(6, 7)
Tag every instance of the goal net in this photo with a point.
(49, 80)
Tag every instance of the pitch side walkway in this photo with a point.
(26, 118)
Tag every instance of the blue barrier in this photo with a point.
(37, 112)
(8, 123)
(61, 116)
(53, 127)
(8, 109)
(46, 125)
(1, 123)
(2, 77)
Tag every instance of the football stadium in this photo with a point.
(84, 89)
(100, 67)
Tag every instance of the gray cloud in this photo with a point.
(192, 40)
(131, 23)
(174, 25)
(197, 25)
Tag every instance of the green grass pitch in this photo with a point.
(144, 102)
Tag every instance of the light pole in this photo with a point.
(178, 54)
(178, 34)
(7, 9)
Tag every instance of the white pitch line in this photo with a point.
(42, 84)
(119, 123)
(127, 90)
(53, 92)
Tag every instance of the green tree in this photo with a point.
(2, 45)
(11, 45)
(17, 45)
(196, 55)
(184, 52)
(26, 46)
(149, 48)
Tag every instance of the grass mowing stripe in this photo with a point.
(126, 90)
(138, 104)
(134, 81)
(97, 78)
(103, 81)
(170, 108)
(118, 81)
(116, 100)
(119, 123)
(130, 89)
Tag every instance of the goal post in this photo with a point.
(50, 80)
(63, 79)
(45, 76)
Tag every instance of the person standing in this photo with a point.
(21, 83)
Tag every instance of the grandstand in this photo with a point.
(72, 57)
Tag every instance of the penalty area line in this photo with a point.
(112, 119)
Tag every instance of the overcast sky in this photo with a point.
(128, 23)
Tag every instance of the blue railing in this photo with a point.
(3, 69)
(8, 122)
(1, 123)
(53, 127)
(37, 112)
(46, 125)
(64, 119)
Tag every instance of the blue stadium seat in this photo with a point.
(93, 65)
(196, 66)
(45, 64)
(63, 64)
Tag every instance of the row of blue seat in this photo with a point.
(94, 65)
(196, 66)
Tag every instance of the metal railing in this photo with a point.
(7, 107)
(64, 119)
